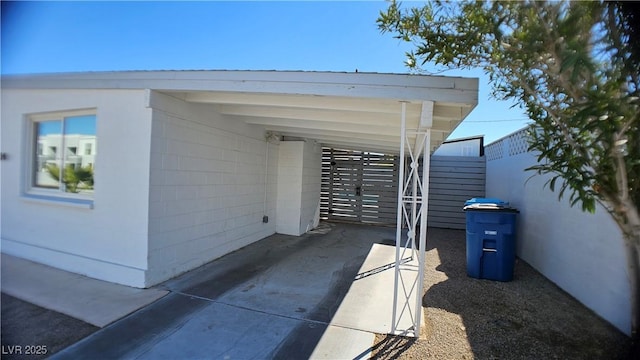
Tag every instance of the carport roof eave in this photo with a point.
(400, 87)
(310, 97)
(413, 80)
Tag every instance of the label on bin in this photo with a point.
(490, 232)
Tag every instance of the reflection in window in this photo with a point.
(68, 170)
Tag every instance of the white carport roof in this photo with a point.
(349, 110)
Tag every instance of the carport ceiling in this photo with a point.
(371, 124)
(350, 110)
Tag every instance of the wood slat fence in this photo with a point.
(363, 187)
(452, 181)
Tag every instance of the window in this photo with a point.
(68, 172)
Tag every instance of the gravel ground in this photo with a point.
(31, 332)
(527, 318)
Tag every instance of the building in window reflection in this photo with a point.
(79, 151)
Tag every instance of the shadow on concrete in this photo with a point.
(294, 284)
(527, 318)
(303, 340)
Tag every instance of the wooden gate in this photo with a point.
(359, 186)
(363, 187)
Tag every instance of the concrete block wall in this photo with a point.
(582, 253)
(108, 241)
(207, 188)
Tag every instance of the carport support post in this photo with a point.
(399, 220)
(412, 194)
(426, 122)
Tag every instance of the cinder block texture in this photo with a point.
(207, 195)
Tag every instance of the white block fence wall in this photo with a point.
(582, 253)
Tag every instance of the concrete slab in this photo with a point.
(309, 284)
(322, 295)
(96, 302)
(183, 327)
(220, 331)
(368, 304)
(342, 343)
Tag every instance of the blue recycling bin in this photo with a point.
(491, 239)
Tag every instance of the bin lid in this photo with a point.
(490, 208)
(487, 201)
(492, 204)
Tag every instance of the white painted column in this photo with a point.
(299, 174)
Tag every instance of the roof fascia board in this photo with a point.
(403, 80)
(387, 86)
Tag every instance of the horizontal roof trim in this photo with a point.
(364, 85)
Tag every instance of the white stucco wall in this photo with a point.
(207, 186)
(299, 177)
(582, 253)
(107, 241)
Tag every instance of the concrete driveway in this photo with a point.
(322, 295)
(282, 297)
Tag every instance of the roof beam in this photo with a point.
(441, 111)
(361, 117)
(341, 125)
(300, 101)
(370, 148)
(426, 115)
(313, 133)
(337, 126)
(361, 142)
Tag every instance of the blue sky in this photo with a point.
(48, 37)
(83, 125)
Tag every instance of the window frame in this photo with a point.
(42, 194)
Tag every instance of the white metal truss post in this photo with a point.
(412, 217)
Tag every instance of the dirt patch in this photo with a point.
(31, 332)
(527, 318)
